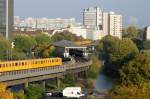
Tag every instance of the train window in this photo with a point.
(12, 64)
(16, 64)
(36, 62)
(4, 65)
(43, 61)
(22, 63)
(0, 65)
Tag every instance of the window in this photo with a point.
(16, 64)
(22, 63)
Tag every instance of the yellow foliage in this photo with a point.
(3, 87)
(5, 94)
(132, 92)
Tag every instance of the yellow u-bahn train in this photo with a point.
(7, 66)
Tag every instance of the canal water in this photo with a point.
(103, 83)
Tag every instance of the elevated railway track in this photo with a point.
(19, 72)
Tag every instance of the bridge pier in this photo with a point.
(43, 84)
(26, 84)
(58, 81)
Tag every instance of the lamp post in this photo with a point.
(11, 49)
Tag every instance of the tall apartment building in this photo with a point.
(6, 17)
(92, 18)
(115, 25)
(108, 23)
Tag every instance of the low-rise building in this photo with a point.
(147, 33)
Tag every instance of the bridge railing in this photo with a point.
(44, 71)
(78, 65)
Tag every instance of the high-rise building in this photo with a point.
(106, 23)
(92, 18)
(6, 17)
(115, 25)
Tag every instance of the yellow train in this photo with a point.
(7, 66)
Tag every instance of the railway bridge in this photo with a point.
(26, 76)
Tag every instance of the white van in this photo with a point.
(72, 92)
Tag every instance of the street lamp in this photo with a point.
(12, 46)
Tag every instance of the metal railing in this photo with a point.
(58, 69)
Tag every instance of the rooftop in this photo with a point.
(66, 43)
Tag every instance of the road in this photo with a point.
(59, 98)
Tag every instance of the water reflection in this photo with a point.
(103, 83)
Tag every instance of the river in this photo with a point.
(103, 83)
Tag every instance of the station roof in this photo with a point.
(66, 43)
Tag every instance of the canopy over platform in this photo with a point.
(64, 47)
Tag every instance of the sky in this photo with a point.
(135, 12)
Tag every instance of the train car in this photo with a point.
(6, 66)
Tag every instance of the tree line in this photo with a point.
(32, 46)
(126, 63)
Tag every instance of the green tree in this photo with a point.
(42, 39)
(94, 68)
(44, 48)
(138, 42)
(25, 44)
(136, 71)
(19, 95)
(146, 45)
(18, 55)
(131, 92)
(69, 80)
(65, 35)
(4, 48)
(34, 91)
(116, 52)
(131, 32)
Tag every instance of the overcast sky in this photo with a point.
(133, 11)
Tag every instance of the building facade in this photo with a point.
(44, 23)
(115, 25)
(92, 18)
(105, 23)
(147, 33)
(6, 17)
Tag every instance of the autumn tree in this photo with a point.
(34, 91)
(136, 71)
(4, 48)
(44, 47)
(4, 93)
(19, 95)
(94, 68)
(131, 32)
(131, 92)
(116, 52)
(24, 44)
